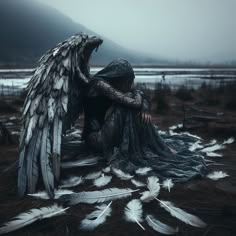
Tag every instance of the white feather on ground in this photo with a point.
(213, 154)
(107, 169)
(229, 141)
(195, 146)
(168, 184)
(181, 214)
(134, 212)
(143, 171)
(217, 175)
(213, 148)
(72, 181)
(31, 216)
(102, 181)
(153, 187)
(120, 174)
(79, 163)
(57, 194)
(93, 175)
(137, 183)
(159, 226)
(172, 133)
(92, 197)
(97, 217)
(176, 126)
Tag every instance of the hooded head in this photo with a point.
(119, 73)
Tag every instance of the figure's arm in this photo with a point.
(107, 90)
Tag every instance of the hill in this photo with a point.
(29, 28)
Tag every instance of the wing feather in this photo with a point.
(51, 106)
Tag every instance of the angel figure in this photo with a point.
(117, 121)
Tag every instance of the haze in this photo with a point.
(185, 30)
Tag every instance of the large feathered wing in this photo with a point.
(53, 103)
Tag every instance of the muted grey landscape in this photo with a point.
(14, 81)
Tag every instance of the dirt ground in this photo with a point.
(213, 201)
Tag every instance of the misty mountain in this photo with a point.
(28, 29)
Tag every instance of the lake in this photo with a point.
(12, 82)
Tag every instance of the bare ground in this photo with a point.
(213, 201)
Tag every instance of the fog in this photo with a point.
(186, 30)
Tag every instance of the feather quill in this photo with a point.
(44, 195)
(97, 196)
(134, 211)
(160, 227)
(73, 181)
(217, 175)
(181, 214)
(120, 174)
(168, 184)
(153, 187)
(31, 216)
(97, 217)
(143, 171)
(102, 181)
(78, 163)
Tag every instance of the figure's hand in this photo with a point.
(145, 118)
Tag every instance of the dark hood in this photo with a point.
(117, 69)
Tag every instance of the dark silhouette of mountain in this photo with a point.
(28, 29)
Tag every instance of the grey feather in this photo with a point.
(134, 211)
(52, 94)
(83, 162)
(22, 177)
(97, 217)
(181, 214)
(31, 216)
(32, 161)
(160, 227)
(47, 174)
(97, 196)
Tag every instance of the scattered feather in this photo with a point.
(176, 126)
(137, 183)
(93, 175)
(105, 195)
(229, 141)
(134, 211)
(168, 184)
(153, 187)
(213, 154)
(160, 227)
(195, 146)
(120, 174)
(31, 216)
(102, 181)
(181, 214)
(143, 171)
(57, 194)
(78, 163)
(97, 217)
(217, 175)
(73, 181)
(213, 148)
(107, 169)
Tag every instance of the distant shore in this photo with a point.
(179, 66)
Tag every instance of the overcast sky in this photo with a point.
(198, 30)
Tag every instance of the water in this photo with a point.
(13, 81)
